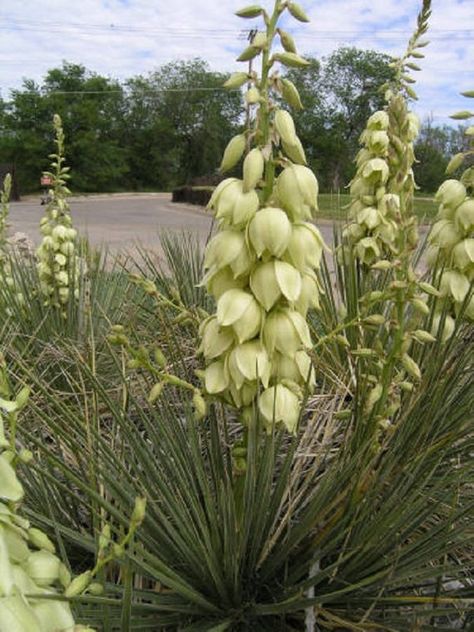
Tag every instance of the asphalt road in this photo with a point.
(121, 221)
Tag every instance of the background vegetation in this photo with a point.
(164, 129)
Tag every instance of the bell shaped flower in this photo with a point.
(270, 280)
(235, 207)
(463, 255)
(378, 142)
(444, 234)
(215, 340)
(454, 284)
(367, 250)
(378, 121)
(279, 404)
(270, 232)
(240, 310)
(297, 369)
(285, 330)
(249, 362)
(305, 248)
(218, 282)
(228, 248)
(309, 295)
(451, 193)
(297, 191)
(375, 171)
(43, 568)
(464, 216)
(216, 377)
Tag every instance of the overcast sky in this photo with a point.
(121, 38)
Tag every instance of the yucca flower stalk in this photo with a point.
(451, 252)
(261, 265)
(30, 571)
(382, 238)
(57, 259)
(6, 273)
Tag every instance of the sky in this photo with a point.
(122, 38)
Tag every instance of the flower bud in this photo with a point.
(43, 567)
(138, 514)
(252, 96)
(291, 94)
(279, 404)
(297, 190)
(155, 392)
(253, 169)
(236, 80)
(411, 367)
(292, 60)
(40, 540)
(270, 232)
(78, 585)
(295, 152)
(199, 404)
(287, 41)
(285, 127)
(252, 11)
(233, 152)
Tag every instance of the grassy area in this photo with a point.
(334, 206)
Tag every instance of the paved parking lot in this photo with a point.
(120, 221)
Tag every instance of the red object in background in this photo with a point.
(46, 181)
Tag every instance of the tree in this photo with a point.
(338, 95)
(92, 110)
(182, 118)
(435, 145)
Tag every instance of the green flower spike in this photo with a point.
(261, 265)
(451, 238)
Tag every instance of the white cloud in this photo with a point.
(121, 38)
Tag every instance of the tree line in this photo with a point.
(163, 130)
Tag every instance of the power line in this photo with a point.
(178, 28)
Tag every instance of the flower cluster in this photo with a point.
(384, 167)
(28, 564)
(261, 265)
(6, 273)
(451, 239)
(58, 267)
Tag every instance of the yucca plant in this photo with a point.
(347, 524)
